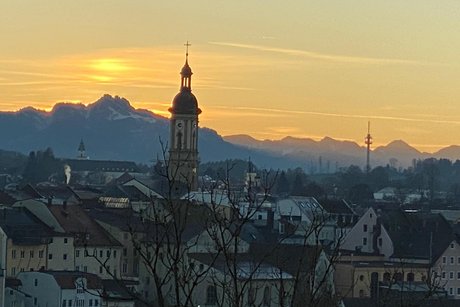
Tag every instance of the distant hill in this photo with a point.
(112, 129)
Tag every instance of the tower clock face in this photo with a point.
(179, 124)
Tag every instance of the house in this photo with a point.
(26, 239)
(125, 226)
(96, 251)
(62, 288)
(447, 269)
(14, 296)
(98, 171)
(391, 246)
(259, 283)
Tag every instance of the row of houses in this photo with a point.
(123, 244)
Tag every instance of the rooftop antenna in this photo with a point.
(368, 142)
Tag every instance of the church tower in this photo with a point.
(183, 145)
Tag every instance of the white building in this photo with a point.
(62, 288)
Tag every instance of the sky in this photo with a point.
(261, 67)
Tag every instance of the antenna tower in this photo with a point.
(368, 142)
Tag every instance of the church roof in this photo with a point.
(185, 103)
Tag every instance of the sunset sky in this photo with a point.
(261, 67)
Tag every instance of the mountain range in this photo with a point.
(113, 129)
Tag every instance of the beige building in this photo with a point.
(96, 251)
(27, 240)
(447, 269)
(362, 275)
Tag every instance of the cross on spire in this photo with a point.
(186, 49)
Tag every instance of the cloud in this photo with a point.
(379, 117)
(320, 56)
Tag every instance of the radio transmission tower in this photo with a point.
(368, 142)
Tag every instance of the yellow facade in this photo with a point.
(22, 258)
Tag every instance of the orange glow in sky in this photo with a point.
(268, 69)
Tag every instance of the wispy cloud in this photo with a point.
(321, 56)
(342, 115)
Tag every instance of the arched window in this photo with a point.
(398, 276)
(211, 295)
(410, 277)
(267, 298)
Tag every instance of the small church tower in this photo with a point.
(82, 151)
(183, 146)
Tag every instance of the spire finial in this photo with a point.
(187, 44)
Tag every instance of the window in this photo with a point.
(100, 270)
(370, 215)
(96, 303)
(50, 256)
(64, 303)
(458, 260)
(77, 253)
(13, 254)
(35, 301)
(40, 254)
(451, 260)
(125, 252)
(23, 254)
(64, 256)
(70, 303)
(86, 253)
(380, 241)
(90, 303)
(364, 241)
(444, 259)
(361, 277)
(114, 254)
(259, 217)
(31, 253)
(443, 275)
(36, 282)
(410, 277)
(458, 291)
(365, 227)
(451, 275)
(101, 253)
(451, 291)
(458, 275)
(211, 295)
(77, 268)
(13, 271)
(108, 253)
(125, 267)
(65, 240)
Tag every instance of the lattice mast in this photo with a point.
(368, 142)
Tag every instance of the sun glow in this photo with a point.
(109, 65)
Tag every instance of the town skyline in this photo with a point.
(325, 70)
